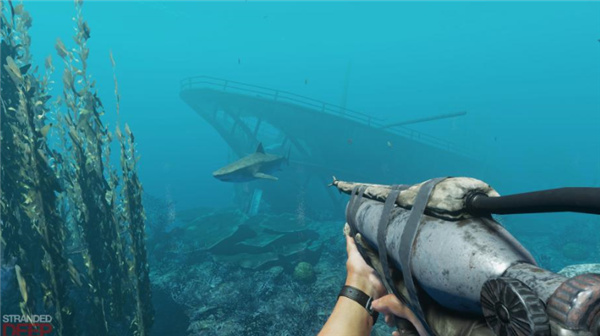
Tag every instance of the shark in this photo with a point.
(258, 165)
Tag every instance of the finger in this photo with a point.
(360, 240)
(380, 306)
(389, 304)
(369, 255)
(395, 333)
(347, 229)
(350, 245)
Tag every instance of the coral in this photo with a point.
(304, 272)
(574, 270)
(205, 229)
(260, 242)
(213, 285)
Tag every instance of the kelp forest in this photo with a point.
(73, 235)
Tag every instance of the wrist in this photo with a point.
(362, 298)
(364, 284)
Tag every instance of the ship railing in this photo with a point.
(314, 104)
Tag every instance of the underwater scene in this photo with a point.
(299, 168)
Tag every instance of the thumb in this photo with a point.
(350, 243)
(351, 246)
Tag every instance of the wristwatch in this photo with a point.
(361, 298)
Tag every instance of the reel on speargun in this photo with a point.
(440, 235)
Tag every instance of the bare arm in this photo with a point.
(348, 317)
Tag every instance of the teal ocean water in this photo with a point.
(526, 73)
(372, 92)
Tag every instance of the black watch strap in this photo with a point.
(361, 298)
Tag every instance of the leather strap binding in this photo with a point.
(406, 244)
(361, 298)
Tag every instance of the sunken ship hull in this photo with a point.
(322, 140)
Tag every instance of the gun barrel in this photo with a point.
(584, 200)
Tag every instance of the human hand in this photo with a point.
(390, 306)
(360, 274)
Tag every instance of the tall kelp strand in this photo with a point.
(102, 223)
(72, 226)
(89, 193)
(33, 233)
(134, 215)
(132, 203)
